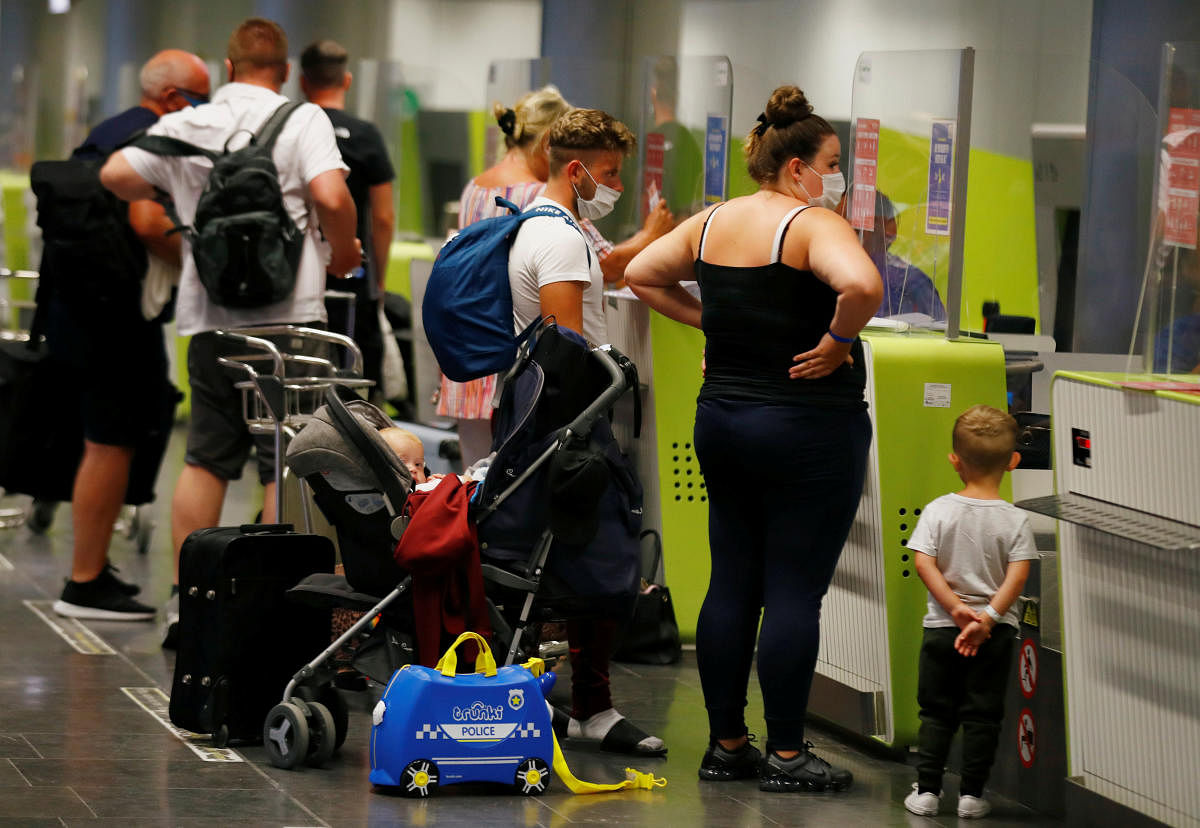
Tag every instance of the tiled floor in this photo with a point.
(76, 748)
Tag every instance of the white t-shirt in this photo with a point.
(547, 250)
(305, 148)
(974, 541)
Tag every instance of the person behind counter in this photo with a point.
(782, 408)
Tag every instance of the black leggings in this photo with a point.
(784, 484)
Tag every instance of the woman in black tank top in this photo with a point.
(781, 428)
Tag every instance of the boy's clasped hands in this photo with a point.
(975, 628)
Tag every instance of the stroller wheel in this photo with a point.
(285, 735)
(322, 734)
(220, 737)
(533, 776)
(419, 778)
(331, 698)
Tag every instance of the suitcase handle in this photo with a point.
(485, 662)
(266, 528)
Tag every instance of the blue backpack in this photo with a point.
(468, 310)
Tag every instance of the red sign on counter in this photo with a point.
(652, 175)
(866, 164)
(1180, 186)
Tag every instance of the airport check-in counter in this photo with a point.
(1127, 501)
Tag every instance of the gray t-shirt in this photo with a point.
(974, 541)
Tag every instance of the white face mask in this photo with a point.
(833, 187)
(600, 204)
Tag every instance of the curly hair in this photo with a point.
(587, 130)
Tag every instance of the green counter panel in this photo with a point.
(911, 444)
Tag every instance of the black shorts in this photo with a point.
(118, 369)
(219, 439)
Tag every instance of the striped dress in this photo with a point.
(473, 400)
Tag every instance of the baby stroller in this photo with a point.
(558, 515)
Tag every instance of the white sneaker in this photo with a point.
(973, 807)
(922, 804)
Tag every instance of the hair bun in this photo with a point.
(787, 105)
(507, 121)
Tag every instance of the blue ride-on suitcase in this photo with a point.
(433, 727)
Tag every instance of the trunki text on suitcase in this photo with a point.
(433, 727)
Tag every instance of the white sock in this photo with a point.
(598, 726)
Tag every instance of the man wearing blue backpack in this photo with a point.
(553, 271)
(311, 178)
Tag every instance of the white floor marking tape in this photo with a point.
(70, 630)
(155, 702)
(6, 564)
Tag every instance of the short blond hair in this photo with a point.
(587, 130)
(257, 44)
(985, 438)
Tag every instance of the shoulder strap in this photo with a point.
(268, 132)
(704, 230)
(164, 145)
(551, 211)
(781, 231)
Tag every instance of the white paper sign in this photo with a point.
(937, 395)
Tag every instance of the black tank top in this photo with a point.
(755, 319)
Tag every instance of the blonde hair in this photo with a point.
(532, 115)
(985, 438)
(786, 129)
(587, 130)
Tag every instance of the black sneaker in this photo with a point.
(722, 765)
(804, 772)
(102, 600)
(124, 586)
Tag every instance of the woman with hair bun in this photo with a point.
(781, 427)
(520, 177)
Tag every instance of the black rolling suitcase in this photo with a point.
(240, 638)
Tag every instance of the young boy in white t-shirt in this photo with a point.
(972, 549)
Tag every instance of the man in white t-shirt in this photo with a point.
(552, 267)
(313, 180)
(554, 271)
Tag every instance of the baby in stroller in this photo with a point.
(558, 516)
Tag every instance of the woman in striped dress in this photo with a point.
(519, 177)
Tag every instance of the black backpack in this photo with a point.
(90, 255)
(245, 245)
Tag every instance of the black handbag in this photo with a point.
(651, 636)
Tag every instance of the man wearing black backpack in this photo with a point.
(305, 166)
(96, 326)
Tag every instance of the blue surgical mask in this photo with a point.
(193, 98)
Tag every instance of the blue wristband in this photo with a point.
(842, 339)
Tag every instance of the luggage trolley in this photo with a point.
(280, 404)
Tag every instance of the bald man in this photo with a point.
(119, 360)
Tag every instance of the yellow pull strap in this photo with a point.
(637, 780)
(484, 662)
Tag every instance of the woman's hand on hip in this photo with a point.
(822, 360)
